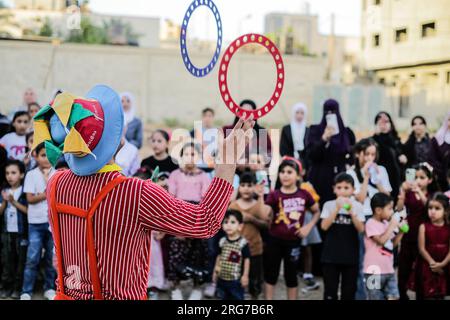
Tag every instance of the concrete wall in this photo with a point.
(158, 78)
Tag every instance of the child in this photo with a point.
(380, 240)
(343, 221)
(256, 216)
(38, 227)
(159, 142)
(413, 196)
(33, 108)
(189, 183)
(369, 177)
(289, 204)
(232, 267)
(128, 158)
(14, 142)
(14, 234)
(433, 265)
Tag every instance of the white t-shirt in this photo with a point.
(11, 212)
(128, 159)
(383, 179)
(15, 145)
(34, 184)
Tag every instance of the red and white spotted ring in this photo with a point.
(223, 75)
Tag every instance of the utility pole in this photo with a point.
(331, 48)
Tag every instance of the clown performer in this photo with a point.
(101, 220)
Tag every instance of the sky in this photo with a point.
(238, 16)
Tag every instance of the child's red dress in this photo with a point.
(426, 283)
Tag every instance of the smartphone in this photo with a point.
(332, 122)
(410, 175)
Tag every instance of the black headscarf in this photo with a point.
(341, 141)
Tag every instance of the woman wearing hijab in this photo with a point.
(261, 143)
(294, 135)
(329, 145)
(390, 153)
(417, 147)
(133, 124)
(439, 156)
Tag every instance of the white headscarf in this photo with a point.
(298, 129)
(443, 134)
(128, 115)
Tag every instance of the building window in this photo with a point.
(428, 30)
(401, 35)
(376, 40)
(382, 81)
(448, 77)
(377, 2)
(412, 76)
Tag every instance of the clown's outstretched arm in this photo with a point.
(162, 212)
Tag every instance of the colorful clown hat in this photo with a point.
(86, 131)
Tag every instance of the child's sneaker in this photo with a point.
(25, 296)
(196, 294)
(311, 284)
(176, 294)
(49, 294)
(210, 290)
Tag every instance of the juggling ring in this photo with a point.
(223, 71)
(184, 53)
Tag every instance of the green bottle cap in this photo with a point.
(404, 228)
(347, 206)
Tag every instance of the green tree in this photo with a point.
(88, 33)
(46, 29)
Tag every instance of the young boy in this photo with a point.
(39, 234)
(256, 217)
(233, 262)
(380, 240)
(342, 220)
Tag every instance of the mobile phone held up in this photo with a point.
(332, 122)
(410, 175)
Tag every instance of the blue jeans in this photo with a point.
(39, 238)
(382, 286)
(230, 290)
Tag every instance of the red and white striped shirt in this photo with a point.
(122, 225)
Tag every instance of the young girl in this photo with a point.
(187, 257)
(289, 204)
(159, 142)
(256, 216)
(432, 276)
(413, 196)
(14, 237)
(15, 142)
